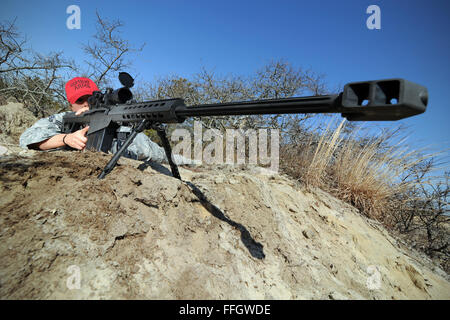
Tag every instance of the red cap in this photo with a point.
(78, 87)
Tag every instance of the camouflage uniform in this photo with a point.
(142, 148)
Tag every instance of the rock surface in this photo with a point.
(221, 233)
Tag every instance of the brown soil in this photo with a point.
(221, 233)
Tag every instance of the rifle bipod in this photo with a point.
(144, 124)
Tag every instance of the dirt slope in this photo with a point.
(222, 233)
(14, 119)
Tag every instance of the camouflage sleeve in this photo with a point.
(42, 130)
(146, 149)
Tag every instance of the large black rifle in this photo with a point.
(378, 100)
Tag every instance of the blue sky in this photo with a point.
(238, 37)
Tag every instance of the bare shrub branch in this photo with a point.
(106, 54)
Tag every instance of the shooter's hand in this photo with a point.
(77, 139)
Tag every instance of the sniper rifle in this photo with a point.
(378, 100)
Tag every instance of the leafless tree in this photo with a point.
(278, 79)
(38, 80)
(422, 213)
(33, 79)
(434, 215)
(107, 52)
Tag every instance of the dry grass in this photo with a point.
(362, 174)
(380, 177)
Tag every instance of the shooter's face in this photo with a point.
(81, 103)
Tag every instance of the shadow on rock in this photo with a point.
(155, 166)
(255, 248)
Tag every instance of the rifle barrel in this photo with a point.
(313, 104)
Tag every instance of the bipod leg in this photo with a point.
(163, 136)
(112, 163)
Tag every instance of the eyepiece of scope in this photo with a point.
(120, 95)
